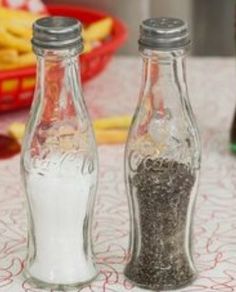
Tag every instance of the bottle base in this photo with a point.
(39, 284)
(162, 287)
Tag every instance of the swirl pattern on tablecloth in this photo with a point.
(215, 213)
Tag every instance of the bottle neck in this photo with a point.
(163, 72)
(58, 82)
(53, 66)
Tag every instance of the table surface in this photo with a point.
(115, 91)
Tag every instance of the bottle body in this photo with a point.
(59, 170)
(162, 164)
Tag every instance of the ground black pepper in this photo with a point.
(162, 190)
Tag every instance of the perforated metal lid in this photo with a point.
(57, 32)
(164, 33)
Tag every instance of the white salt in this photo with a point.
(59, 207)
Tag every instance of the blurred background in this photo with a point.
(211, 21)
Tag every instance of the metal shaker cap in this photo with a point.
(57, 32)
(164, 33)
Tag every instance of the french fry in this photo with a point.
(8, 56)
(22, 60)
(87, 47)
(98, 30)
(16, 31)
(120, 122)
(27, 18)
(111, 136)
(16, 130)
(103, 136)
(7, 66)
(17, 28)
(8, 40)
(27, 59)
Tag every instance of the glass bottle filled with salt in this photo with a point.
(59, 161)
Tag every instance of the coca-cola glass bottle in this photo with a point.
(162, 162)
(59, 161)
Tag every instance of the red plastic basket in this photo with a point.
(17, 86)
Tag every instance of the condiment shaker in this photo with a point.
(59, 161)
(162, 162)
